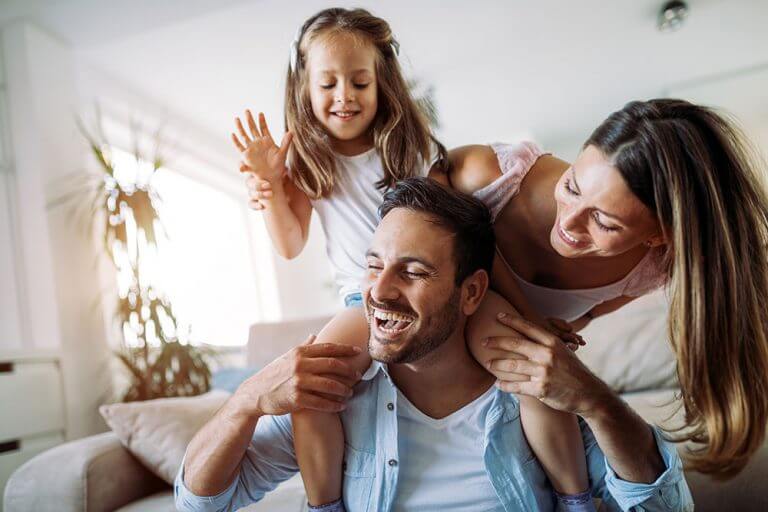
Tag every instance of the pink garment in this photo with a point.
(515, 160)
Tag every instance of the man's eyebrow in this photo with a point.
(405, 259)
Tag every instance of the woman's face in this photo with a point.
(597, 213)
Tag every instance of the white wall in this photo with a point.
(58, 292)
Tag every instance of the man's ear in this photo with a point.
(473, 291)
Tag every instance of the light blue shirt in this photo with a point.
(371, 461)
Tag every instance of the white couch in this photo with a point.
(628, 349)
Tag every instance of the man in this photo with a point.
(426, 429)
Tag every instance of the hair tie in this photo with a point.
(395, 47)
(293, 61)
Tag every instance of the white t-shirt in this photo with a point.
(349, 216)
(437, 455)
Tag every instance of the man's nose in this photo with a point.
(384, 286)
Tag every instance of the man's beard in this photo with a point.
(437, 329)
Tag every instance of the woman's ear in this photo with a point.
(473, 291)
(656, 241)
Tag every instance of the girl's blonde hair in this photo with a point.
(692, 168)
(401, 133)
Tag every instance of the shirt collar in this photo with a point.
(373, 369)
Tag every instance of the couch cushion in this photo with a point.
(629, 349)
(157, 431)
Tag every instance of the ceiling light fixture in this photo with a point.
(672, 15)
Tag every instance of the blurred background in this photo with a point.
(130, 265)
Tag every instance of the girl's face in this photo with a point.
(597, 213)
(343, 90)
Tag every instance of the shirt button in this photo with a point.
(392, 462)
(390, 406)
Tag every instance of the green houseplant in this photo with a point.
(124, 214)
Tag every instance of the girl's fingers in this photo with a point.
(255, 205)
(265, 185)
(264, 127)
(238, 144)
(244, 167)
(246, 139)
(252, 124)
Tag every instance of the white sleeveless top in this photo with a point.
(349, 216)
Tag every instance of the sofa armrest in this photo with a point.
(92, 474)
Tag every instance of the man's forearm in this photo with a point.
(214, 454)
(626, 440)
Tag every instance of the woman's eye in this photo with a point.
(361, 86)
(327, 86)
(569, 188)
(601, 225)
(415, 275)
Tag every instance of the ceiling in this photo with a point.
(551, 69)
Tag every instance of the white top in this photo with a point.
(349, 216)
(436, 455)
(570, 304)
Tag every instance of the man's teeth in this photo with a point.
(382, 315)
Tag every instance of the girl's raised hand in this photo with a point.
(260, 153)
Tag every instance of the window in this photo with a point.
(215, 264)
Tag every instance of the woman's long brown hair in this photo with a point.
(401, 133)
(694, 169)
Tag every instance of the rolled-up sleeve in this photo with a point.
(668, 493)
(269, 460)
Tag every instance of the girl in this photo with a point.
(663, 193)
(353, 131)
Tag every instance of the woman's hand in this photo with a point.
(565, 331)
(540, 365)
(261, 155)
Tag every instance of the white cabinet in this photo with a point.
(31, 408)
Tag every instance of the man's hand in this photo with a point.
(542, 366)
(309, 376)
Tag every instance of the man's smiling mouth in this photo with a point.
(391, 322)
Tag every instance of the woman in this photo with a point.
(662, 194)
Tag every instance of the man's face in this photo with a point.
(411, 301)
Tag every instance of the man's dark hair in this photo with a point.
(465, 217)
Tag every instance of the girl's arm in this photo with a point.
(287, 210)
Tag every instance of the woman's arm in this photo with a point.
(555, 376)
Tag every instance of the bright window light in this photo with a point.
(205, 266)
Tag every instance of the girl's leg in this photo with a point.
(554, 436)
(318, 437)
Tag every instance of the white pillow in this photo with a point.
(158, 431)
(629, 349)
